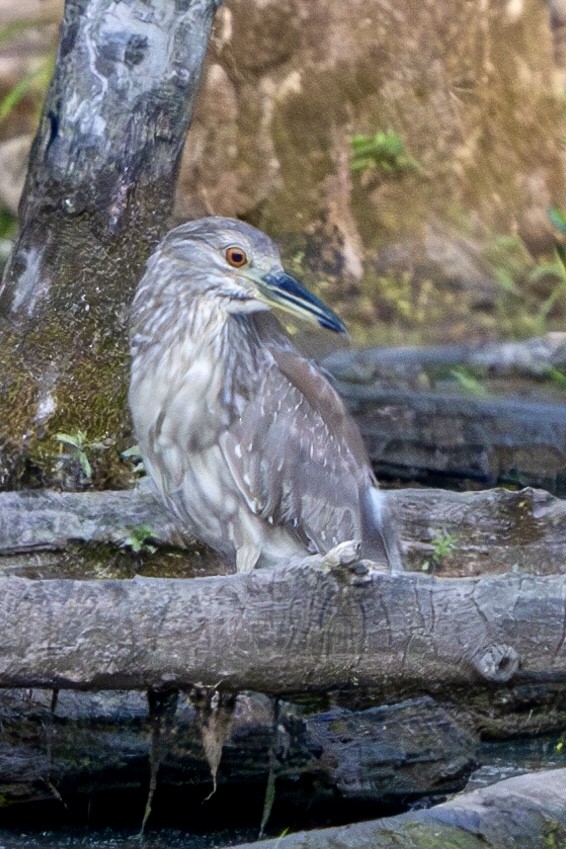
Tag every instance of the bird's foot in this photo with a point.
(344, 561)
(344, 554)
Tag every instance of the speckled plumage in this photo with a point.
(247, 441)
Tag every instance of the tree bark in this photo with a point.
(490, 531)
(79, 742)
(296, 629)
(99, 189)
(527, 811)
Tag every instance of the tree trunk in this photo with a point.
(99, 189)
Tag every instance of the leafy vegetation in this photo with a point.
(80, 445)
(468, 381)
(139, 540)
(530, 292)
(382, 151)
(443, 546)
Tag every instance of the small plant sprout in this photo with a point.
(138, 540)
(383, 151)
(133, 455)
(468, 382)
(443, 545)
(80, 445)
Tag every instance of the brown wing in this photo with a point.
(295, 453)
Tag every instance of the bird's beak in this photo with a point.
(276, 288)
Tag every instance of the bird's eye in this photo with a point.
(236, 257)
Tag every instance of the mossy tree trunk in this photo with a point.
(99, 190)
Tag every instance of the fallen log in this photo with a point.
(532, 358)
(434, 436)
(78, 744)
(491, 531)
(527, 811)
(419, 424)
(285, 630)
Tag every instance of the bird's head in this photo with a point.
(233, 261)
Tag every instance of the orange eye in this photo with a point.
(236, 257)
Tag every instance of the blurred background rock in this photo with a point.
(405, 155)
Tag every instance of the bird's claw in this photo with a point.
(344, 561)
(344, 554)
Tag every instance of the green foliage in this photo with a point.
(80, 445)
(138, 540)
(443, 545)
(556, 376)
(521, 310)
(133, 455)
(510, 261)
(33, 83)
(468, 382)
(8, 225)
(383, 151)
(557, 218)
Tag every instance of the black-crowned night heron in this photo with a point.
(248, 443)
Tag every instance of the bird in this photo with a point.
(246, 439)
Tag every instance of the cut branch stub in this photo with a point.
(497, 663)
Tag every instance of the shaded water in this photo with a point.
(499, 760)
(73, 838)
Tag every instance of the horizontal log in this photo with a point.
(290, 629)
(45, 520)
(532, 358)
(420, 425)
(527, 811)
(81, 741)
(433, 436)
(494, 530)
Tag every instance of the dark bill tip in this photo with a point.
(287, 293)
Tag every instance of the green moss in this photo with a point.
(435, 834)
(78, 343)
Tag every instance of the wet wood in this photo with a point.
(77, 743)
(528, 810)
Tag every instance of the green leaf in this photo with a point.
(75, 440)
(469, 382)
(557, 218)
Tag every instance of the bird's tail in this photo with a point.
(380, 532)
